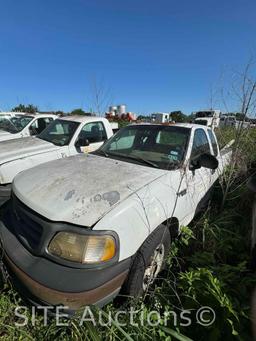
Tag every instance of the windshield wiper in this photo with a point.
(136, 158)
(148, 162)
(101, 152)
(41, 138)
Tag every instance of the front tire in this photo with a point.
(148, 262)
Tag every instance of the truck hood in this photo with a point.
(81, 189)
(4, 135)
(20, 148)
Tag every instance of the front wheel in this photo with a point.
(148, 262)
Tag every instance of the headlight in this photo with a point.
(83, 248)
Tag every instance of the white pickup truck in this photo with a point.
(209, 118)
(18, 125)
(84, 228)
(62, 138)
(9, 114)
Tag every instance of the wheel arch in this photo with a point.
(173, 226)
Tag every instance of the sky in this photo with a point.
(160, 55)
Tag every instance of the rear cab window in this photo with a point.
(200, 144)
(94, 132)
(40, 124)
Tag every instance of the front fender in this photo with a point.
(139, 215)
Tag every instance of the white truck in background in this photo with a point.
(231, 121)
(19, 125)
(62, 138)
(160, 117)
(5, 117)
(85, 227)
(8, 114)
(209, 118)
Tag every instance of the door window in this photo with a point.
(94, 132)
(39, 125)
(200, 144)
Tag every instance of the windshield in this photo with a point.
(59, 132)
(4, 120)
(153, 145)
(15, 124)
(202, 122)
(204, 114)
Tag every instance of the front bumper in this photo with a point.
(5, 193)
(45, 282)
(39, 294)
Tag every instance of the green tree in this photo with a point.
(190, 118)
(178, 116)
(78, 111)
(240, 116)
(30, 108)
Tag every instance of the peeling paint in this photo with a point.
(97, 197)
(69, 195)
(112, 197)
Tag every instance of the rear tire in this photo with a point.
(148, 262)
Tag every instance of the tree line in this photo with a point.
(177, 116)
(32, 109)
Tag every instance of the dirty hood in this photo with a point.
(81, 189)
(4, 135)
(19, 148)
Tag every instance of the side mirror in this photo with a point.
(209, 161)
(82, 142)
(206, 161)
